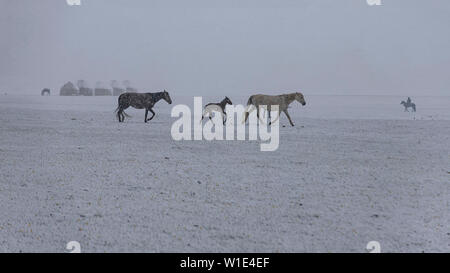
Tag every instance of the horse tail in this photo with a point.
(117, 112)
(120, 110)
(250, 100)
(246, 111)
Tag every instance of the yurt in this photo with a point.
(45, 92)
(128, 87)
(117, 90)
(100, 90)
(84, 89)
(131, 90)
(68, 89)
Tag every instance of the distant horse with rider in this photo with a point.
(408, 104)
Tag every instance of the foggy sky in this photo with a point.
(200, 47)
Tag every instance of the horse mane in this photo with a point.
(290, 96)
(157, 95)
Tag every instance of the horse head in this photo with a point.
(299, 97)
(403, 102)
(166, 97)
(228, 101)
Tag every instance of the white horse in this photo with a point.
(267, 101)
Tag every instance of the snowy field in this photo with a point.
(354, 169)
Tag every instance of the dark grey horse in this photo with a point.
(140, 101)
(217, 107)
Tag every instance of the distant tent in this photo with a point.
(68, 89)
(84, 89)
(102, 91)
(116, 89)
(131, 90)
(45, 91)
(128, 87)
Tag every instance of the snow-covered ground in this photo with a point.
(354, 169)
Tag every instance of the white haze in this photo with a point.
(228, 47)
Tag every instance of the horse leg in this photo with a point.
(257, 114)
(278, 116)
(153, 114)
(146, 113)
(250, 108)
(287, 115)
(122, 112)
(120, 115)
(203, 115)
(224, 117)
(123, 104)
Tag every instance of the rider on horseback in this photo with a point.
(408, 104)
